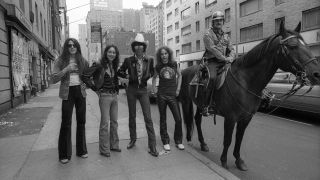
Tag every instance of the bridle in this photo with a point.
(295, 65)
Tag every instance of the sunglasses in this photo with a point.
(71, 45)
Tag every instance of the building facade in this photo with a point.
(187, 20)
(156, 24)
(131, 20)
(145, 13)
(29, 48)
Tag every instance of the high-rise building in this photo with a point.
(187, 20)
(145, 13)
(155, 24)
(131, 20)
(113, 5)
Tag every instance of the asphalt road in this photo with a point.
(274, 147)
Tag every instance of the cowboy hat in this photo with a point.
(139, 40)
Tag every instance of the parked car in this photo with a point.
(281, 83)
(152, 95)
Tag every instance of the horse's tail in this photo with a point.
(187, 106)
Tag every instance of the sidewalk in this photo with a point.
(36, 156)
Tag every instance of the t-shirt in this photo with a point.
(74, 75)
(167, 78)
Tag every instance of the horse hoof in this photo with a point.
(241, 165)
(204, 148)
(224, 165)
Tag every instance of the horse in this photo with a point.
(239, 97)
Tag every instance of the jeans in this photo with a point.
(171, 101)
(109, 113)
(76, 99)
(134, 93)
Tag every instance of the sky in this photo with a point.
(78, 16)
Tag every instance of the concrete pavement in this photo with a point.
(36, 156)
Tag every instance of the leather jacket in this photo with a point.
(130, 65)
(94, 77)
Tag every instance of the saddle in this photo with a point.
(199, 83)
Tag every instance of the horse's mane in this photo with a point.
(255, 54)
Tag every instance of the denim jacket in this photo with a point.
(59, 75)
(130, 65)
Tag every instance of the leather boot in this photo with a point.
(131, 144)
(153, 151)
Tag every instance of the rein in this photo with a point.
(300, 74)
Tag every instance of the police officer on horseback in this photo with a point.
(219, 51)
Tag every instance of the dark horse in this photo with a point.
(239, 97)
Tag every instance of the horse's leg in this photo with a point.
(187, 110)
(198, 120)
(228, 130)
(241, 127)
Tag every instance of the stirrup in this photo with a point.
(208, 111)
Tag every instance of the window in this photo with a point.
(21, 4)
(196, 7)
(186, 48)
(37, 16)
(169, 29)
(30, 5)
(176, 12)
(169, 42)
(227, 15)
(197, 26)
(168, 3)
(176, 25)
(185, 14)
(177, 52)
(177, 39)
(210, 2)
(249, 7)
(277, 2)
(251, 33)
(169, 16)
(207, 22)
(45, 29)
(277, 24)
(198, 45)
(41, 25)
(311, 19)
(185, 31)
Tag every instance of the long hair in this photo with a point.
(104, 59)
(65, 55)
(169, 51)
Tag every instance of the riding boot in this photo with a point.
(208, 108)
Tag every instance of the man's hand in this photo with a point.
(229, 59)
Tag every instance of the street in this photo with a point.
(273, 147)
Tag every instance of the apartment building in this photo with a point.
(145, 13)
(131, 20)
(187, 20)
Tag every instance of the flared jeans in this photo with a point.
(108, 137)
(75, 99)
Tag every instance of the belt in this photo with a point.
(109, 91)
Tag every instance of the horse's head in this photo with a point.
(297, 57)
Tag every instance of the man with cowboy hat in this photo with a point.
(219, 51)
(138, 69)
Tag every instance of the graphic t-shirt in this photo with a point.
(167, 78)
(74, 75)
